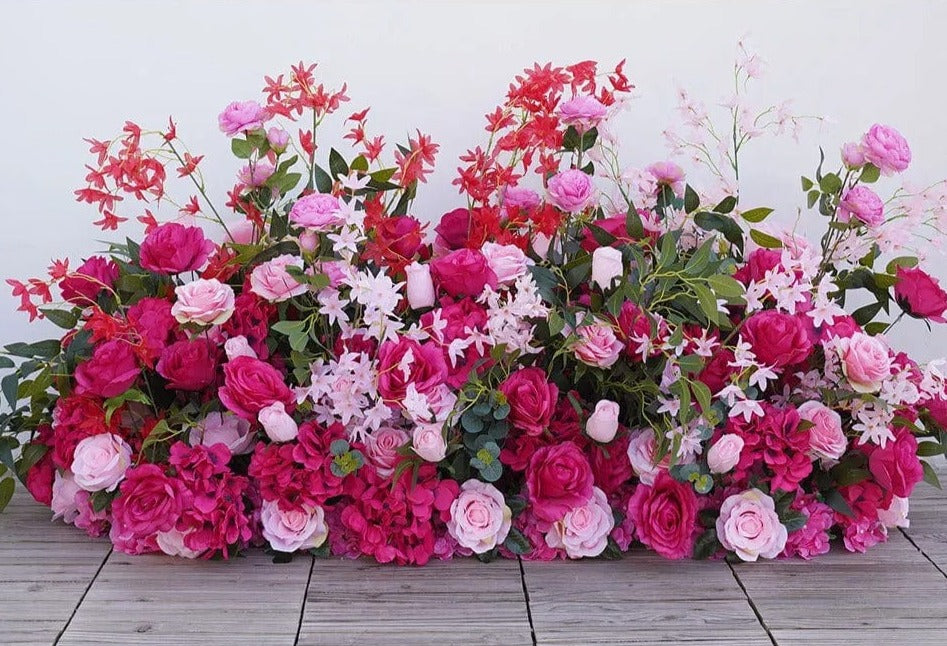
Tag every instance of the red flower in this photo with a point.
(558, 478)
(251, 385)
(777, 339)
(189, 365)
(665, 516)
(174, 248)
(111, 371)
(920, 295)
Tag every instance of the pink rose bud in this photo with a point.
(309, 241)
(428, 442)
(204, 301)
(238, 346)
(920, 294)
(725, 453)
(100, 462)
(826, 438)
(852, 155)
(606, 266)
(278, 424)
(572, 191)
(749, 526)
(865, 362)
(602, 425)
(296, 528)
(278, 139)
(420, 287)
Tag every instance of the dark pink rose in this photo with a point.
(251, 385)
(842, 327)
(426, 368)
(464, 272)
(532, 399)
(558, 478)
(189, 365)
(453, 229)
(920, 295)
(938, 410)
(757, 264)
(777, 339)
(665, 516)
(174, 248)
(149, 502)
(896, 467)
(717, 371)
(40, 478)
(83, 286)
(110, 371)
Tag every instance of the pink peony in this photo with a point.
(852, 155)
(189, 365)
(865, 362)
(297, 528)
(558, 479)
(479, 517)
(584, 530)
(110, 371)
(319, 211)
(242, 116)
(864, 205)
(884, 147)
(250, 385)
(255, 174)
(748, 525)
(100, 462)
(827, 439)
(584, 112)
(920, 294)
(83, 286)
(272, 282)
(665, 516)
(813, 538)
(572, 191)
(532, 399)
(223, 428)
(464, 272)
(667, 173)
(174, 248)
(597, 345)
(520, 197)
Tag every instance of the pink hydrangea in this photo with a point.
(813, 538)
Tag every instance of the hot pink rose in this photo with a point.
(406, 361)
(597, 345)
(520, 197)
(479, 517)
(319, 211)
(584, 530)
(508, 262)
(83, 286)
(110, 371)
(863, 204)
(748, 525)
(149, 502)
(250, 385)
(296, 528)
(532, 399)
(464, 272)
(777, 339)
(270, 280)
(896, 466)
(724, 454)
(826, 438)
(572, 191)
(884, 147)
(866, 362)
(920, 294)
(174, 248)
(242, 116)
(665, 516)
(558, 479)
(100, 462)
(382, 447)
(757, 264)
(189, 365)
(453, 229)
(223, 428)
(584, 112)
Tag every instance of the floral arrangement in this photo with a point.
(584, 356)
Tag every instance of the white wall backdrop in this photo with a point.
(75, 69)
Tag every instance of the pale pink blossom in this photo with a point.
(584, 530)
(602, 425)
(272, 282)
(204, 302)
(297, 528)
(748, 525)
(100, 462)
(479, 517)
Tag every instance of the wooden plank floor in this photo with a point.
(59, 588)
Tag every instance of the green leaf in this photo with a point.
(702, 394)
(633, 224)
(929, 449)
(298, 340)
(288, 327)
(727, 226)
(726, 286)
(288, 182)
(870, 174)
(322, 180)
(360, 164)
(707, 301)
(241, 148)
(830, 184)
(765, 240)
(794, 520)
(806, 184)
(337, 165)
(726, 205)
(930, 476)
(62, 318)
(701, 258)
(571, 139)
(42, 349)
(812, 197)
(901, 261)
(471, 422)
(706, 544)
(6, 362)
(10, 385)
(691, 199)
(7, 486)
(835, 500)
(29, 456)
(556, 323)
(756, 215)
(588, 139)
(516, 542)
(864, 315)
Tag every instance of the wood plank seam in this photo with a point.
(82, 598)
(302, 609)
(923, 553)
(529, 611)
(749, 600)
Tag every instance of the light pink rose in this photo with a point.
(382, 448)
(256, 174)
(602, 425)
(277, 423)
(238, 346)
(597, 345)
(642, 449)
(520, 197)
(572, 191)
(584, 530)
(479, 517)
(320, 211)
(100, 462)
(896, 513)
(299, 528)
(852, 155)
(584, 112)
(243, 232)
(865, 362)
(607, 265)
(884, 147)
(748, 525)
(667, 173)
(171, 543)
(242, 116)
(725, 453)
(420, 288)
(204, 301)
(826, 438)
(223, 428)
(270, 280)
(278, 139)
(508, 262)
(64, 497)
(428, 442)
